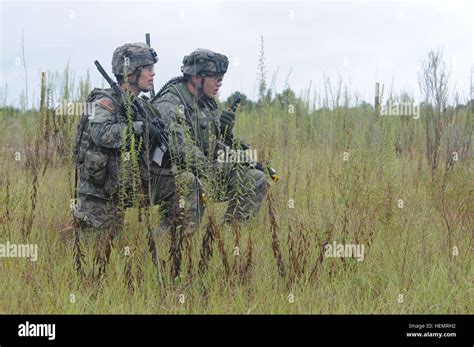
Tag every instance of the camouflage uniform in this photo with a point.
(194, 128)
(98, 152)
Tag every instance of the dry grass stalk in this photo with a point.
(275, 243)
(246, 270)
(315, 271)
(189, 252)
(103, 248)
(33, 166)
(221, 245)
(236, 264)
(79, 255)
(206, 249)
(178, 225)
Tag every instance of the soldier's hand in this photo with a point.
(155, 134)
(227, 123)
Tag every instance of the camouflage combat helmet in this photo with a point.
(203, 62)
(138, 54)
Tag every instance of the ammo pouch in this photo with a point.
(95, 167)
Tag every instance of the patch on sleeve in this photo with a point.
(107, 104)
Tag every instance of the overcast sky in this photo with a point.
(362, 41)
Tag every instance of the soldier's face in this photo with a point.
(145, 82)
(212, 85)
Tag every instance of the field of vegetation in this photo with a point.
(400, 186)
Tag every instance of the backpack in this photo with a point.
(83, 136)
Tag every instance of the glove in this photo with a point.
(155, 134)
(227, 123)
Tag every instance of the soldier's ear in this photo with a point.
(200, 80)
(131, 78)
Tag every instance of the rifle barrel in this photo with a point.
(103, 73)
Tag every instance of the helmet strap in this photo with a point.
(201, 85)
(137, 77)
(198, 87)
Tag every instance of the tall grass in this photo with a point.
(345, 171)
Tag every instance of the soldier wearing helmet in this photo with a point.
(188, 107)
(100, 139)
(137, 61)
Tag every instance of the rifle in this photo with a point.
(256, 165)
(162, 147)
